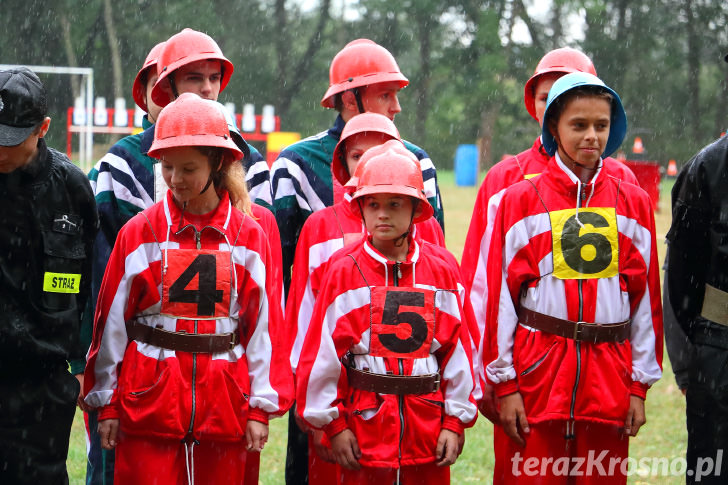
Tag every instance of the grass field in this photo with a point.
(663, 436)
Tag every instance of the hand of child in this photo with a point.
(79, 401)
(346, 450)
(488, 405)
(635, 416)
(322, 448)
(513, 417)
(256, 433)
(108, 430)
(447, 448)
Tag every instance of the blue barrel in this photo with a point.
(466, 165)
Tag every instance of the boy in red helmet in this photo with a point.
(329, 230)
(182, 366)
(363, 77)
(526, 164)
(574, 336)
(388, 354)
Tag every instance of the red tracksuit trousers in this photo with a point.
(596, 455)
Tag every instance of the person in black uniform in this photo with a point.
(48, 222)
(697, 282)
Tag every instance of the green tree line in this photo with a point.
(465, 59)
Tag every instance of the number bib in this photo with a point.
(585, 252)
(402, 322)
(197, 284)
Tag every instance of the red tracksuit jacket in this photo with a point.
(525, 165)
(582, 253)
(324, 233)
(172, 394)
(391, 431)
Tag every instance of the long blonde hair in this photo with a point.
(230, 177)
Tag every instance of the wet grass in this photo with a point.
(663, 436)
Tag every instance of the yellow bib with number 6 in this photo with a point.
(585, 252)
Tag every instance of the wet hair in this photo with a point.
(229, 177)
(559, 104)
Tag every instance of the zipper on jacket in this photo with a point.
(194, 393)
(401, 419)
(533, 366)
(570, 425)
(396, 274)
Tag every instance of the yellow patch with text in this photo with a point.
(585, 251)
(61, 282)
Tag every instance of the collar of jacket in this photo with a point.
(218, 219)
(335, 131)
(413, 255)
(39, 165)
(147, 139)
(563, 180)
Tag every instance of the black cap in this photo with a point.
(22, 105)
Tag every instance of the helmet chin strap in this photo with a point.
(359, 104)
(401, 239)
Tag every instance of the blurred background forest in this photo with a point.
(467, 61)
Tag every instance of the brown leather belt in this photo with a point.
(715, 305)
(579, 331)
(392, 384)
(182, 341)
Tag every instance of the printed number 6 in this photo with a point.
(572, 244)
(390, 316)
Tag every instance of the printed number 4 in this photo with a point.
(417, 323)
(207, 294)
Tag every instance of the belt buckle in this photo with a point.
(437, 382)
(232, 341)
(577, 330)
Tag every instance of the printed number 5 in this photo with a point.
(417, 323)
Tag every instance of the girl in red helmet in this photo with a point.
(385, 368)
(186, 365)
(329, 230)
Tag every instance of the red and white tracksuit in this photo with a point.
(580, 252)
(345, 319)
(525, 165)
(324, 233)
(161, 396)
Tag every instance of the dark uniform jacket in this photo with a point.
(48, 223)
(699, 240)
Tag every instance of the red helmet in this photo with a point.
(139, 88)
(564, 60)
(190, 121)
(360, 63)
(185, 48)
(391, 169)
(361, 123)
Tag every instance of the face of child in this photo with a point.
(202, 78)
(541, 93)
(387, 216)
(382, 98)
(357, 144)
(583, 129)
(186, 171)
